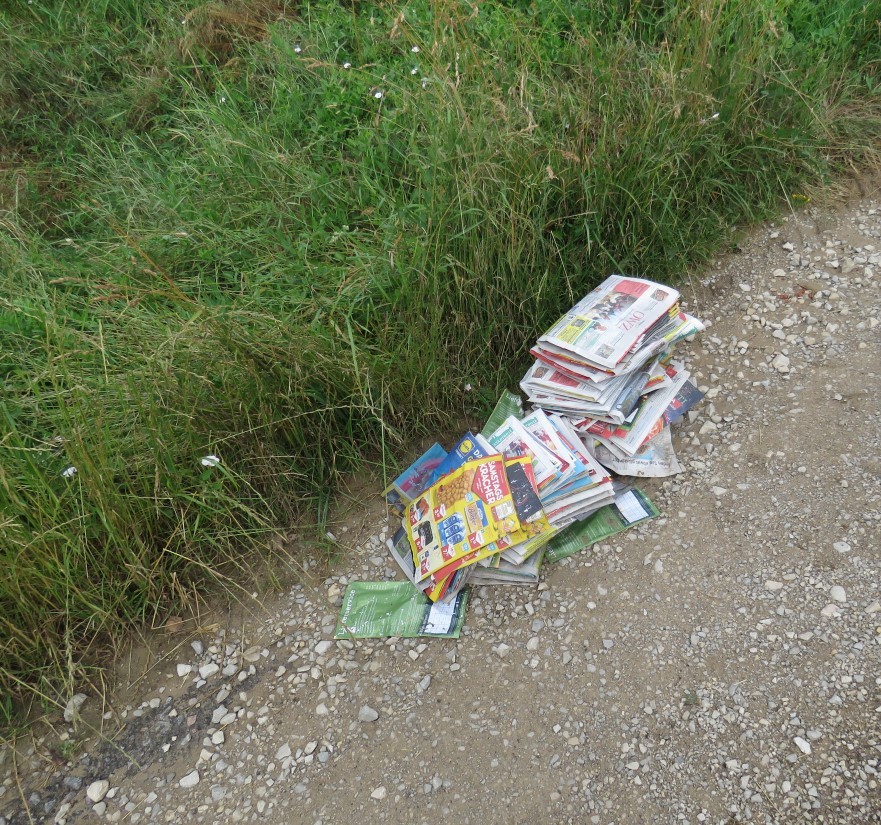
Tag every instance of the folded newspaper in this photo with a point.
(607, 366)
(536, 485)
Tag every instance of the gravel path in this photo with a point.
(720, 664)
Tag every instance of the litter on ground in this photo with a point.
(537, 484)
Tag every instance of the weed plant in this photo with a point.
(290, 235)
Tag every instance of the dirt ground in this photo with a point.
(719, 664)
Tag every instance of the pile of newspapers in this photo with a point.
(607, 366)
(538, 484)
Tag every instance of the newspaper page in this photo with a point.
(604, 325)
(514, 440)
(400, 550)
(648, 421)
(685, 326)
(467, 448)
(534, 531)
(655, 459)
(538, 424)
(543, 378)
(687, 396)
(508, 573)
(521, 552)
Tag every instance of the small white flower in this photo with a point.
(424, 82)
(347, 65)
(70, 472)
(222, 99)
(468, 388)
(210, 461)
(298, 48)
(414, 70)
(378, 94)
(414, 49)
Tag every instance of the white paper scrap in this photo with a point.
(630, 508)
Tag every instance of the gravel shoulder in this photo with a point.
(720, 664)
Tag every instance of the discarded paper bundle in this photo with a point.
(485, 511)
(607, 367)
(537, 484)
(474, 505)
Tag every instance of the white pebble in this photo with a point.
(98, 790)
(72, 709)
(367, 714)
(190, 780)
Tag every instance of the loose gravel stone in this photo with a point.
(98, 790)
(208, 670)
(367, 714)
(803, 745)
(74, 705)
(190, 780)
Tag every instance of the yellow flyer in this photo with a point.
(463, 512)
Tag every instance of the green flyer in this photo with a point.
(629, 508)
(374, 610)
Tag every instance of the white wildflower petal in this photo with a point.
(347, 65)
(298, 48)
(210, 461)
(414, 49)
(378, 94)
(70, 472)
(414, 70)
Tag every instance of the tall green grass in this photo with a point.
(217, 238)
